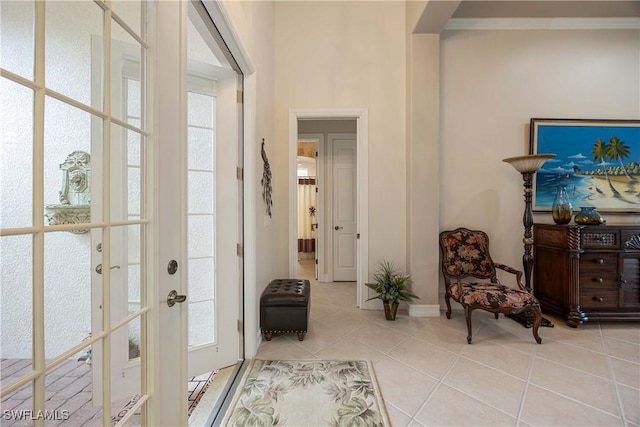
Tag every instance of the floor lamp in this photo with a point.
(527, 166)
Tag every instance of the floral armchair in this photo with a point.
(465, 253)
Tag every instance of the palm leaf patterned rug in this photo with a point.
(307, 393)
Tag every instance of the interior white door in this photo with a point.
(344, 215)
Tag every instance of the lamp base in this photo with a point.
(526, 319)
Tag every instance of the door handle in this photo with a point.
(337, 227)
(99, 268)
(173, 298)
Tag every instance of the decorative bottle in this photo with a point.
(561, 210)
(588, 215)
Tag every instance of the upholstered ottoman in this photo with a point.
(284, 307)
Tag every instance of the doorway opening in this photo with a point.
(341, 181)
(308, 206)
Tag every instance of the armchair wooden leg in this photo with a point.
(446, 300)
(537, 320)
(467, 315)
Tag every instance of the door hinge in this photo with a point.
(357, 235)
(240, 97)
(239, 249)
(239, 326)
(316, 189)
(239, 173)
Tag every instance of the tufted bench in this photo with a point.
(284, 307)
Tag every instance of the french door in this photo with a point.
(99, 189)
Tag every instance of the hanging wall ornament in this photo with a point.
(266, 181)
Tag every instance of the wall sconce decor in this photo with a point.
(75, 195)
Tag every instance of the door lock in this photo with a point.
(172, 267)
(337, 227)
(173, 298)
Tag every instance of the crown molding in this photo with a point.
(543, 24)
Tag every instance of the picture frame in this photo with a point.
(594, 173)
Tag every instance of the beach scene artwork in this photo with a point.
(597, 161)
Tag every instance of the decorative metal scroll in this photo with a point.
(266, 181)
(633, 242)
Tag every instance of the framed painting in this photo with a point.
(598, 161)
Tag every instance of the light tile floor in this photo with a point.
(429, 375)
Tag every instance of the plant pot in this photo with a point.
(389, 312)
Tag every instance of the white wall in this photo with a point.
(346, 55)
(493, 82)
(253, 22)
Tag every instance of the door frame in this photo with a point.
(361, 116)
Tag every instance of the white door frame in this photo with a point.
(360, 115)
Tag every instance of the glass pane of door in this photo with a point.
(73, 221)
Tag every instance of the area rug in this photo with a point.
(307, 393)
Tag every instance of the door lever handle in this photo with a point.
(173, 298)
(337, 227)
(99, 268)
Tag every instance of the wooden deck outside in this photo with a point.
(68, 396)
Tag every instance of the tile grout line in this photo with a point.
(612, 372)
(526, 387)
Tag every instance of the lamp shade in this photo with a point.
(529, 163)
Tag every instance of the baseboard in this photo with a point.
(424, 310)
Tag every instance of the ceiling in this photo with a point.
(438, 12)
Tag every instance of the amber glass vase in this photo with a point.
(561, 210)
(588, 215)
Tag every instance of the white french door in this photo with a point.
(213, 212)
(94, 219)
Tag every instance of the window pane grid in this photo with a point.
(44, 366)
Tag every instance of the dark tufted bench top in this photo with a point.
(286, 293)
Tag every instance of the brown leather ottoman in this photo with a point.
(284, 307)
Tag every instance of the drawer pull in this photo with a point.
(599, 261)
(598, 299)
(599, 280)
(623, 281)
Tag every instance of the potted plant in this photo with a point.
(391, 287)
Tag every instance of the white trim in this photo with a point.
(424, 310)
(227, 30)
(361, 116)
(543, 24)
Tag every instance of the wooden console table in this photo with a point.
(587, 272)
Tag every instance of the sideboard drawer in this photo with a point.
(600, 239)
(598, 298)
(598, 261)
(599, 279)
